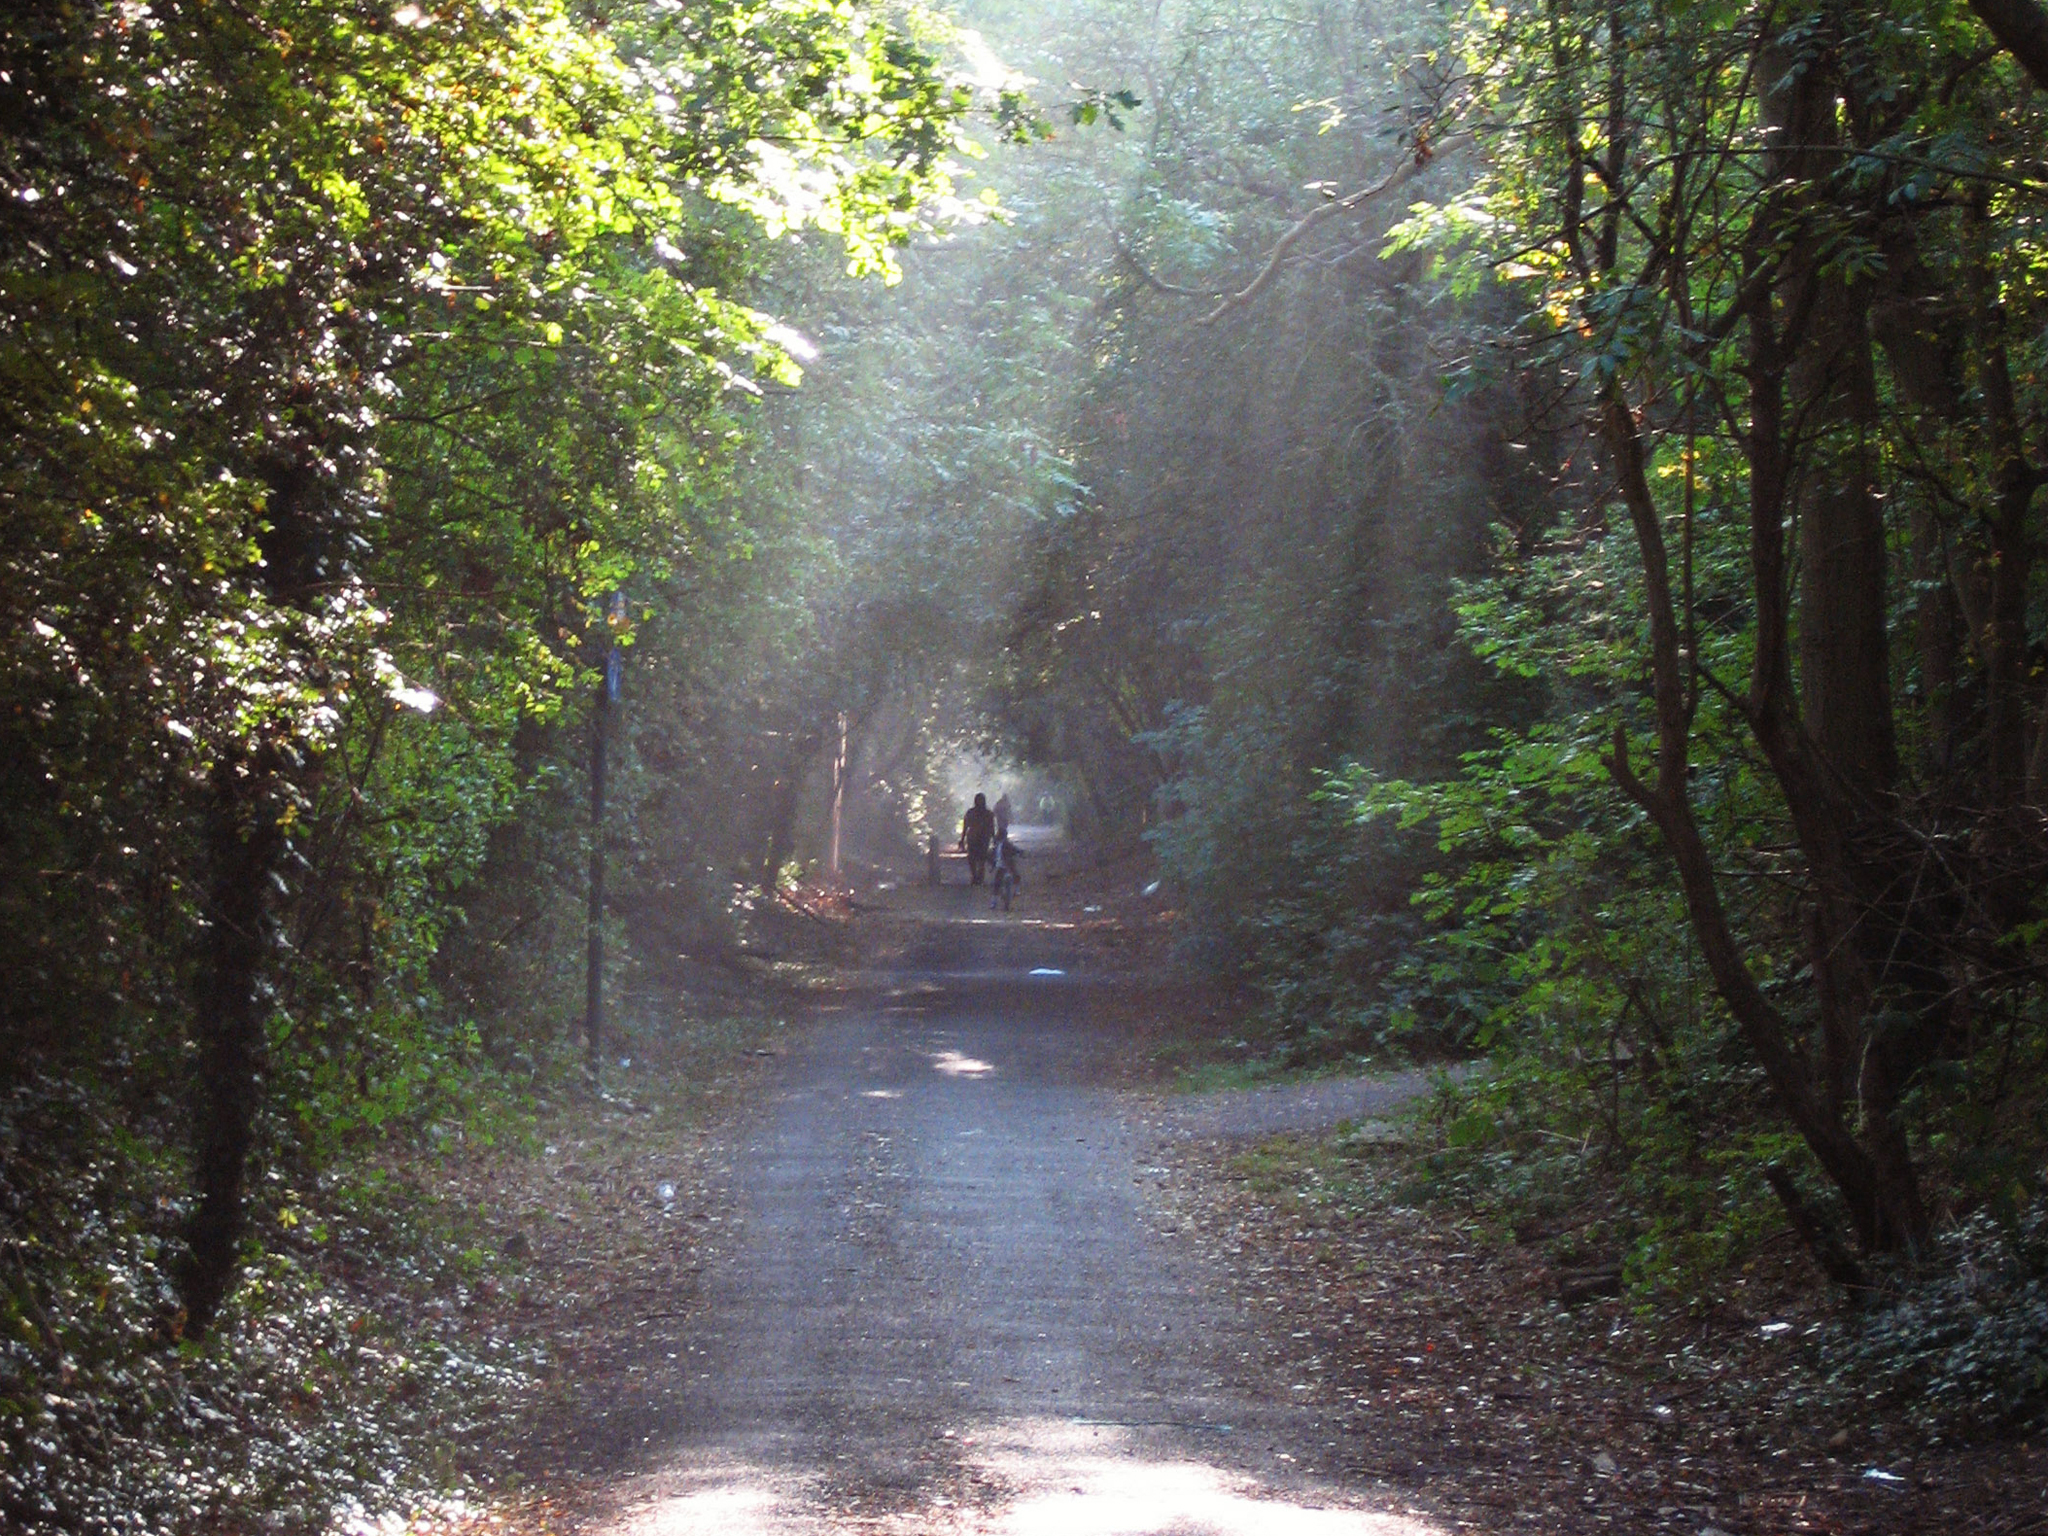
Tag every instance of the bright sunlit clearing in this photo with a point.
(1143, 1499)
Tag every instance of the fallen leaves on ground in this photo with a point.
(601, 1230)
(1463, 1384)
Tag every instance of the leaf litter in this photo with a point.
(1459, 1380)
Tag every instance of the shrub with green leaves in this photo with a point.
(1965, 1350)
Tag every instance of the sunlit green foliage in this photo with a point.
(1752, 900)
(352, 353)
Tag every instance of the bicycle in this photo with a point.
(1006, 887)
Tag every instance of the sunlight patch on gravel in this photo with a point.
(1071, 1479)
(953, 1064)
(728, 1503)
(1036, 1477)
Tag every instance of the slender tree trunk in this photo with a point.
(1844, 656)
(2014, 480)
(1938, 636)
(785, 800)
(1915, 327)
(593, 964)
(1867, 933)
(838, 797)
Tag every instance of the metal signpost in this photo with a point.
(600, 723)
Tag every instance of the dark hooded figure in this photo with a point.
(977, 831)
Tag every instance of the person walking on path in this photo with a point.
(1002, 810)
(977, 831)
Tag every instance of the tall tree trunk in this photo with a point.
(785, 800)
(2014, 480)
(1915, 323)
(1938, 636)
(1831, 385)
(243, 844)
(838, 798)
(1839, 762)
(593, 931)
(781, 830)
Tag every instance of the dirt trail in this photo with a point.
(942, 1301)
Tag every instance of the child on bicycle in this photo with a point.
(1003, 859)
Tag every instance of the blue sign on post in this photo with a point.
(612, 670)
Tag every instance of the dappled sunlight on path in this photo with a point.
(1026, 1477)
(945, 1305)
(721, 1501)
(1080, 1480)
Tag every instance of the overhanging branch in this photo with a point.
(1138, 270)
(1402, 173)
(2021, 27)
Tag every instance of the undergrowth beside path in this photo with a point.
(434, 1317)
(1468, 1386)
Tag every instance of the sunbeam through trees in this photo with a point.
(1500, 540)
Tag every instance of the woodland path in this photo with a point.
(944, 1302)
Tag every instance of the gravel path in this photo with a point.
(944, 1301)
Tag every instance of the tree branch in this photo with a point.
(1399, 175)
(1138, 270)
(2021, 27)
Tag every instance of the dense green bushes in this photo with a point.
(1966, 1350)
(314, 1398)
